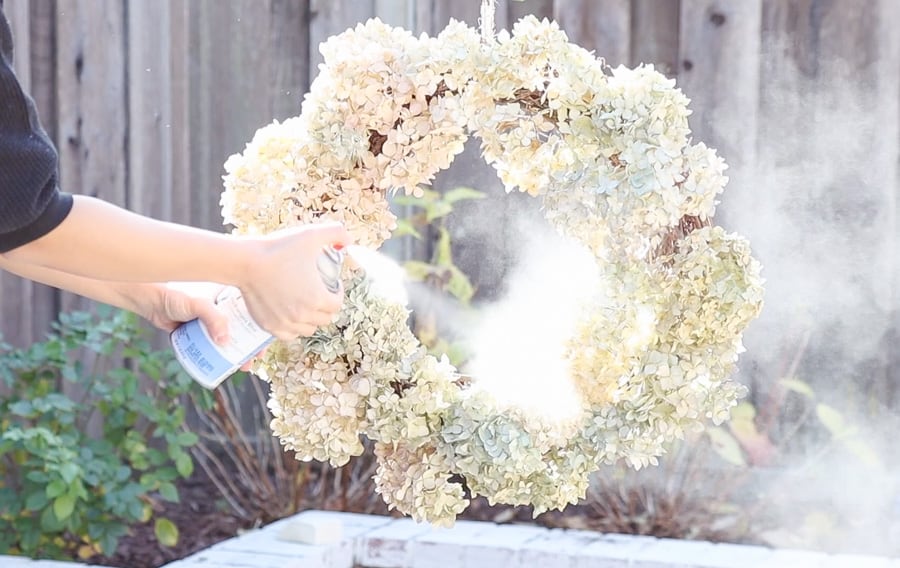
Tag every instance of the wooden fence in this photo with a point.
(147, 98)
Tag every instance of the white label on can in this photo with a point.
(210, 363)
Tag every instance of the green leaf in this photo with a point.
(417, 270)
(798, 386)
(408, 201)
(69, 471)
(56, 488)
(462, 193)
(187, 438)
(49, 522)
(30, 537)
(456, 351)
(21, 408)
(166, 532)
(428, 196)
(156, 457)
(168, 491)
(743, 412)
(110, 540)
(184, 464)
(63, 506)
(404, 227)
(437, 210)
(460, 286)
(123, 473)
(831, 419)
(37, 476)
(443, 255)
(726, 446)
(37, 500)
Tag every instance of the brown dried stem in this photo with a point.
(686, 225)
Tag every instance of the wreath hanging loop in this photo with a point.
(488, 11)
(608, 153)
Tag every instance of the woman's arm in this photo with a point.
(162, 305)
(102, 241)
(277, 273)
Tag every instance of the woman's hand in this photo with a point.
(167, 306)
(282, 287)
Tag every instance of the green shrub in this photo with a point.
(86, 449)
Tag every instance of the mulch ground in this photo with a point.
(200, 520)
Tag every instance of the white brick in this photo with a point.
(321, 532)
(471, 544)
(461, 531)
(184, 563)
(16, 562)
(340, 556)
(672, 553)
(612, 551)
(437, 555)
(266, 541)
(258, 559)
(500, 545)
(354, 528)
(388, 546)
(794, 559)
(557, 547)
(857, 561)
(48, 564)
(347, 519)
(444, 547)
(739, 556)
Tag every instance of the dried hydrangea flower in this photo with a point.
(608, 151)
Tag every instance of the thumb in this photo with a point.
(181, 307)
(215, 321)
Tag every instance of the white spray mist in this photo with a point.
(519, 342)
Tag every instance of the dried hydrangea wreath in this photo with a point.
(608, 152)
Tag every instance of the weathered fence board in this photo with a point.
(538, 8)
(330, 17)
(602, 26)
(18, 13)
(654, 34)
(831, 83)
(92, 125)
(179, 135)
(719, 53)
(149, 107)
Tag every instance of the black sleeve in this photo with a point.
(31, 204)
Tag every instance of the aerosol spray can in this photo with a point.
(209, 363)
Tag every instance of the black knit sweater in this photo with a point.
(31, 204)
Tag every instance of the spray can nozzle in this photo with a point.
(329, 265)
